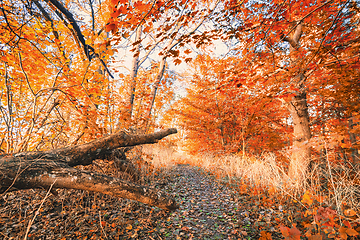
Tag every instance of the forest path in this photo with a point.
(208, 209)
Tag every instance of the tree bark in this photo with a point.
(297, 106)
(42, 169)
(301, 152)
(134, 71)
(155, 87)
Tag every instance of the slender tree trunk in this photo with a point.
(134, 71)
(354, 151)
(153, 92)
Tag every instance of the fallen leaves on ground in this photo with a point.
(208, 210)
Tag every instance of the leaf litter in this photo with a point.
(208, 209)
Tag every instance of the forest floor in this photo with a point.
(208, 209)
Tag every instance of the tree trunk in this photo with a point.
(353, 142)
(130, 94)
(297, 106)
(153, 93)
(42, 169)
(301, 152)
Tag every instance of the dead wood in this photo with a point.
(42, 169)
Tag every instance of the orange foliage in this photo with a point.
(229, 99)
(327, 56)
(53, 95)
(220, 117)
(54, 92)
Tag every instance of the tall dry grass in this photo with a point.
(159, 156)
(335, 183)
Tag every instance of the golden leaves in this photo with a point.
(307, 198)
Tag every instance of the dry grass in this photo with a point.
(159, 156)
(338, 184)
(258, 171)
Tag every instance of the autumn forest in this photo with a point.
(118, 104)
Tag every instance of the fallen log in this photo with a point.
(56, 167)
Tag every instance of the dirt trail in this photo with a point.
(208, 209)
